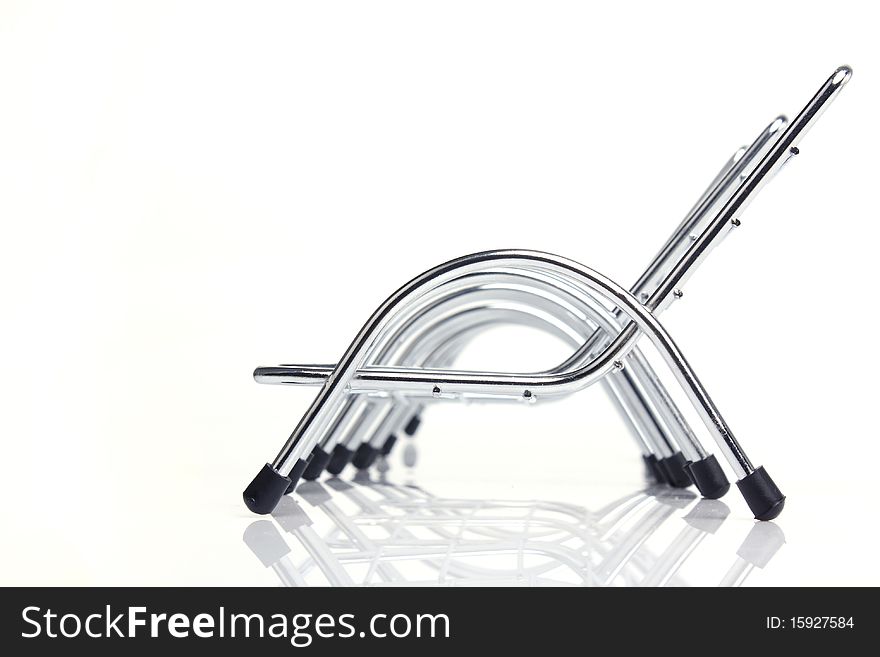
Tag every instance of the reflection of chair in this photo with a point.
(399, 360)
(377, 534)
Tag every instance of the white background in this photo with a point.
(191, 189)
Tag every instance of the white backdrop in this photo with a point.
(191, 189)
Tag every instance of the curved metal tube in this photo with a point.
(351, 375)
(455, 335)
(547, 306)
(640, 414)
(433, 382)
(782, 149)
(546, 296)
(578, 313)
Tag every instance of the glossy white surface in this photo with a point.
(191, 189)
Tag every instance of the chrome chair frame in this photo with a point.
(618, 317)
(654, 434)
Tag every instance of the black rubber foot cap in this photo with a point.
(708, 477)
(298, 468)
(389, 445)
(340, 458)
(263, 493)
(364, 456)
(652, 469)
(660, 473)
(673, 466)
(413, 425)
(317, 463)
(763, 497)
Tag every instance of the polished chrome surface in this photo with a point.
(729, 216)
(493, 298)
(617, 318)
(649, 430)
(710, 236)
(453, 383)
(654, 418)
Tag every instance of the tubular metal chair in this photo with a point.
(401, 359)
